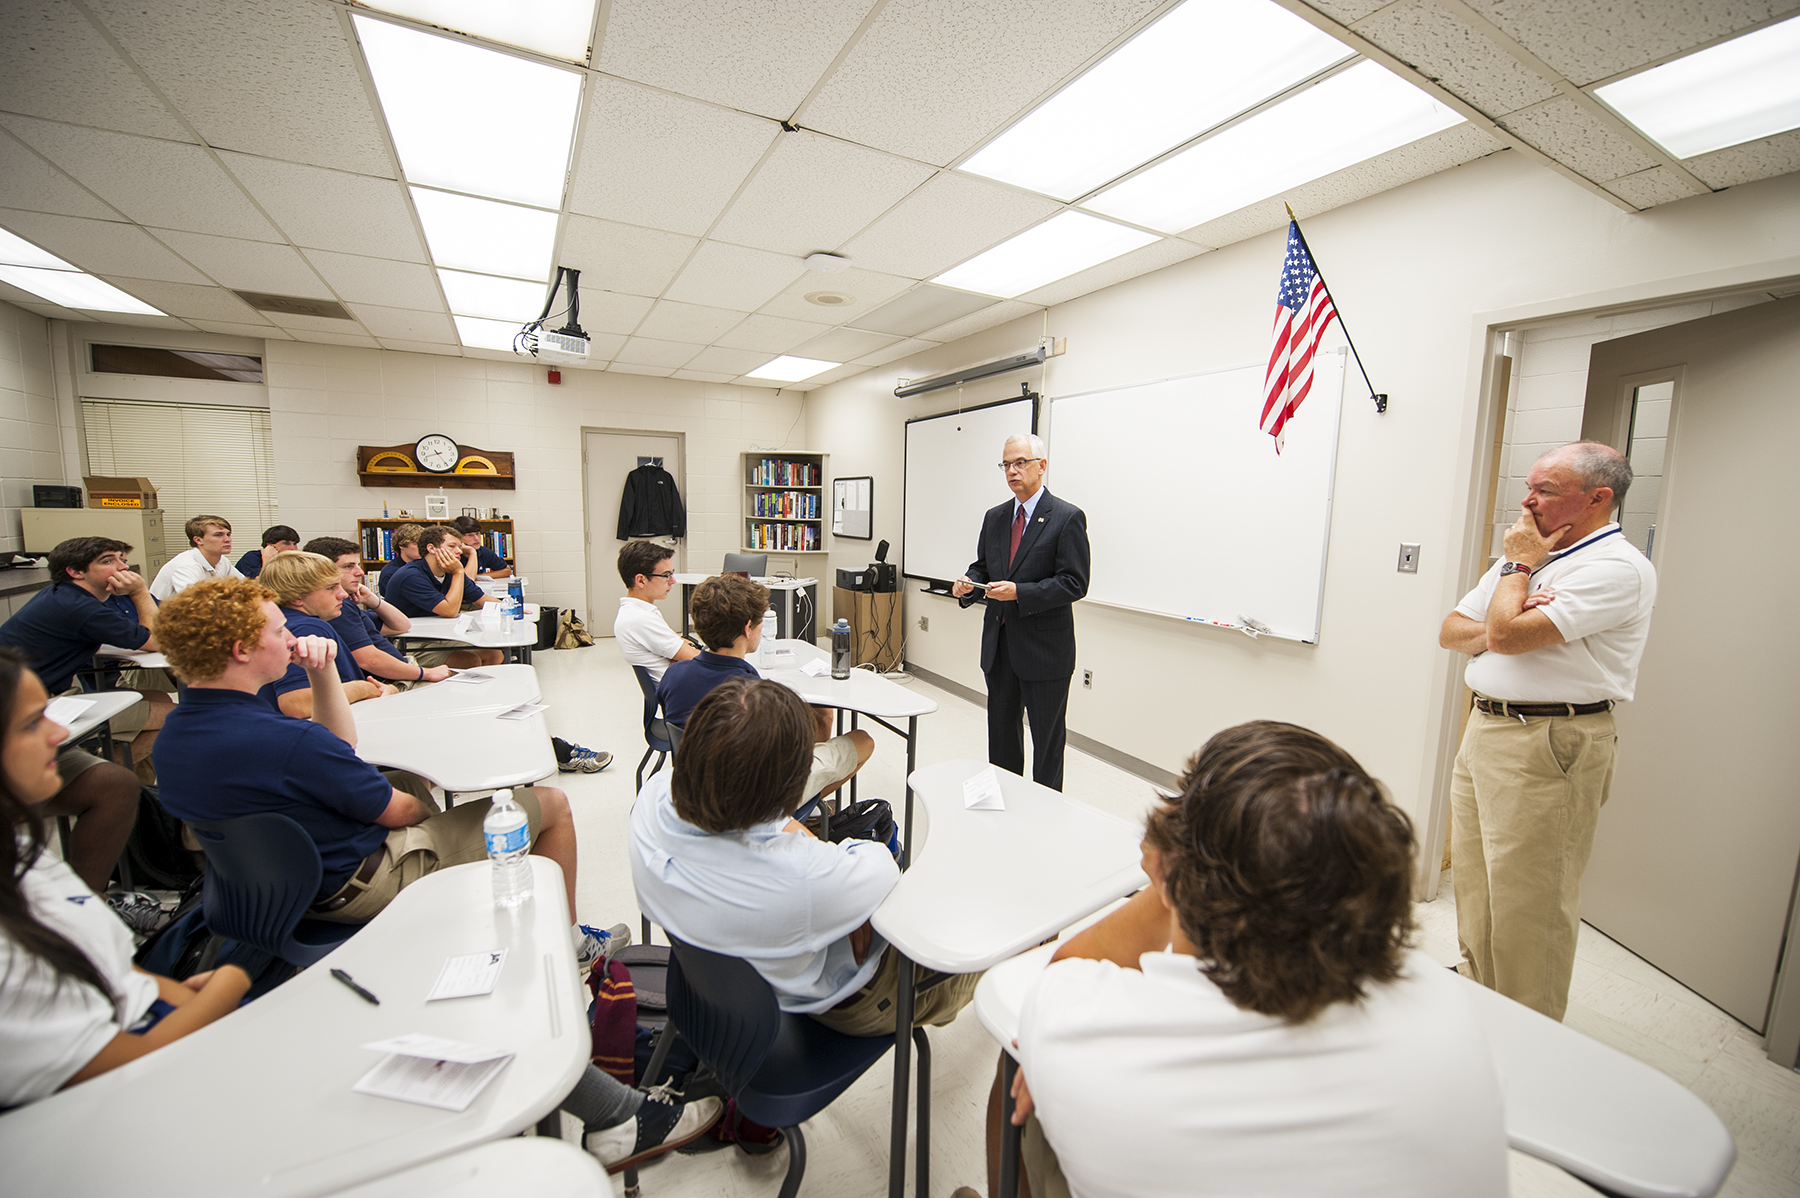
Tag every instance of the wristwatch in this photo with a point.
(1515, 568)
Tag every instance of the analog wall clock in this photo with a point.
(437, 453)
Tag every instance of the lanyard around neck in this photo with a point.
(1562, 553)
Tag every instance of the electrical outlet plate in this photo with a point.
(1409, 558)
(924, 623)
(1087, 680)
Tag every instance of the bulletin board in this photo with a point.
(853, 508)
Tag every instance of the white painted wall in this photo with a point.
(326, 400)
(33, 430)
(1421, 272)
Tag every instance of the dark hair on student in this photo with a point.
(745, 756)
(435, 535)
(332, 548)
(723, 604)
(199, 524)
(464, 525)
(642, 557)
(280, 532)
(1287, 868)
(78, 553)
(17, 855)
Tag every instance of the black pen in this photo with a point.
(349, 981)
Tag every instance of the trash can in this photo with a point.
(548, 618)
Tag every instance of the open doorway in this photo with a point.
(607, 456)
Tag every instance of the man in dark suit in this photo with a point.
(1032, 560)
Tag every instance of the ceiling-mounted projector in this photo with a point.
(567, 346)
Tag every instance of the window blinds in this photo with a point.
(202, 458)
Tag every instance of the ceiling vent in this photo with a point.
(294, 305)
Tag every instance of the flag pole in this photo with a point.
(1381, 399)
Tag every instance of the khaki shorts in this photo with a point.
(435, 653)
(870, 1011)
(833, 761)
(448, 838)
(1042, 1170)
(72, 763)
(404, 684)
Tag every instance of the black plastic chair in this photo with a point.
(262, 873)
(782, 1069)
(657, 731)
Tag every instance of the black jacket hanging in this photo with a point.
(651, 505)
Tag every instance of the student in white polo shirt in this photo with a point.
(208, 556)
(643, 637)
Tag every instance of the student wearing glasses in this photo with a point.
(644, 637)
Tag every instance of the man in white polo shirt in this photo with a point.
(1555, 631)
(644, 638)
(207, 556)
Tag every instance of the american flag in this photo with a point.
(1303, 311)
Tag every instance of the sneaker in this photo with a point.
(596, 944)
(139, 912)
(585, 761)
(663, 1122)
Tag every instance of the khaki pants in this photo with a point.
(870, 1011)
(431, 654)
(1524, 801)
(1043, 1172)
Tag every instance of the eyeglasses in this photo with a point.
(1019, 463)
(668, 574)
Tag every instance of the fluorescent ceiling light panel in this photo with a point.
(789, 369)
(471, 119)
(1351, 117)
(1197, 67)
(1066, 243)
(73, 289)
(485, 237)
(1725, 95)
(556, 27)
(477, 333)
(16, 251)
(497, 299)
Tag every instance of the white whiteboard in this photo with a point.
(1191, 513)
(952, 477)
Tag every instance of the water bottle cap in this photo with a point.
(502, 796)
(842, 622)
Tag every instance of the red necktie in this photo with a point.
(1018, 531)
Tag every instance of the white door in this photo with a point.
(1694, 863)
(607, 457)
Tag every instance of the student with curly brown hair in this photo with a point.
(1259, 1005)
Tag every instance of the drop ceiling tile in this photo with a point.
(994, 314)
(1140, 261)
(247, 265)
(266, 331)
(610, 312)
(733, 362)
(189, 302)
(420, 347)
(27, 181)
(770, 334)
(951, 218)
(1647, 189)
(405, 324)
(331, 210)
(650, 351)
(896, 351)
(762, 58)
(672, 320)
(733, 276)
(661, 161)
(924, 307)
(165, 183)
(1463, 60)
(108, 247)
(1761, 159)
(1588, 40)
(703, 376)
(323, 338)
(136, 320)
(302, 325)
(1579, 140)
(814, 193)
(391, 284)
(947, 58)
(1346, 11)
(623, 257)
(660, 372)
(869, 290)
(824, 378)
(279, 80)
(55, 64)
(844, 345)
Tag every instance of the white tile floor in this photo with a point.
(1617, 998)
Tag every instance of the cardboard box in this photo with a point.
(120, 492)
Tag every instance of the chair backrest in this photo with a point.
(262, 873)
(756, 564)
(656, 729)
(726, 1011)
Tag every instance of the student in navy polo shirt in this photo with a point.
(277, 538)
(308, 589)
(488, 564)
(438, 584)
(727, 611)
(366, 620)
(225, 753)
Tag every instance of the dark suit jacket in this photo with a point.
(1051, 573)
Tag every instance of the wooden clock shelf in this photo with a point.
(394, 466)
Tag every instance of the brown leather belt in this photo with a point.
(359, 881)
(1500, 707)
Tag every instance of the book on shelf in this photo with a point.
(784, 472)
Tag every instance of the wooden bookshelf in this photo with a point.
(786, 506)
(376, 533)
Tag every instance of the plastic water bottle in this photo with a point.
(515, 598)
(840, 648)
(508, 835)
(768, 637)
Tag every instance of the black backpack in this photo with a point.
(155, 855)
